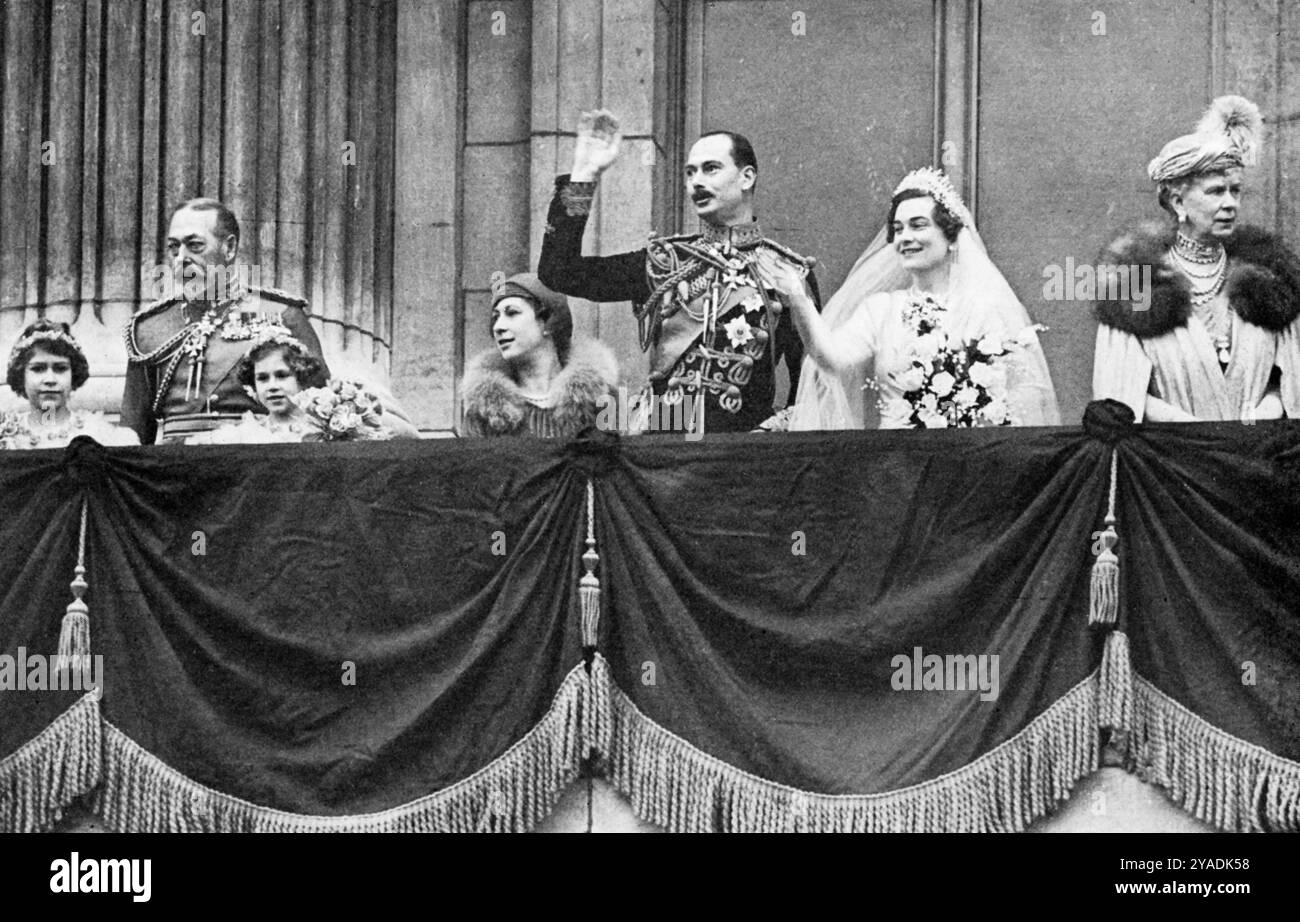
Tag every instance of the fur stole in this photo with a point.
(494, 404)
(1263, 280)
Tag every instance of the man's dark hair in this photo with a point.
(305, 367)
(948, 222)
(227, 223)
(742, 152)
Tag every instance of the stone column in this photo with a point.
(613, 54)
(425, 254)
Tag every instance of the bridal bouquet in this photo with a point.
(953, 384)
(343, 411)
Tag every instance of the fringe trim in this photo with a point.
(52, 769)
(597, 710)
(513, 793)
(1116, 677)
(1218, 778)
(673, 784)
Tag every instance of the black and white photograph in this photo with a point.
(759, 416)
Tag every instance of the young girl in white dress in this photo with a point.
(46, 365)
(276, 370)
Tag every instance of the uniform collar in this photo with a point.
(740, 236)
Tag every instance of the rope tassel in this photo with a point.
(74, 636)
(589, 586)
(1103, 601)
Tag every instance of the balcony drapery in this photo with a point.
(756, 595)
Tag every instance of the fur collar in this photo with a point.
(494, 404)
(1263, 280)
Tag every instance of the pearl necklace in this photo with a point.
(1206, 285)
(1197, 252)
(1189, 256)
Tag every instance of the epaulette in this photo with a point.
(806, 261)
(133, 351)
(674, 256)
(275, 294)
(155, 307)
(670, 238)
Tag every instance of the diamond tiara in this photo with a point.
(938, 186)
(278, 334)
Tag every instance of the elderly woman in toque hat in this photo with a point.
(1214, 338)
(539, 379)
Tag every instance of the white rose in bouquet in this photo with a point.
(966, 397)
(991, 345)
(344, 420)
(928, 345)
(931, 420)
(942, 384)
(911, 379)
(988, 375)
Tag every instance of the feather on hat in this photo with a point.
(1226, 136)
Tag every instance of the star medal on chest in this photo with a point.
(746, 330)
(732, 275)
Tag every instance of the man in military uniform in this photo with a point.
(704, 302)
(182, 349)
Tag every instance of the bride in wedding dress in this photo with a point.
(924, 293)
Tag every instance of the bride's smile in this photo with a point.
(922, 322)
(920, 242)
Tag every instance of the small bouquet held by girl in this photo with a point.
(302, 404)
(343, 411)
(955, 384)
